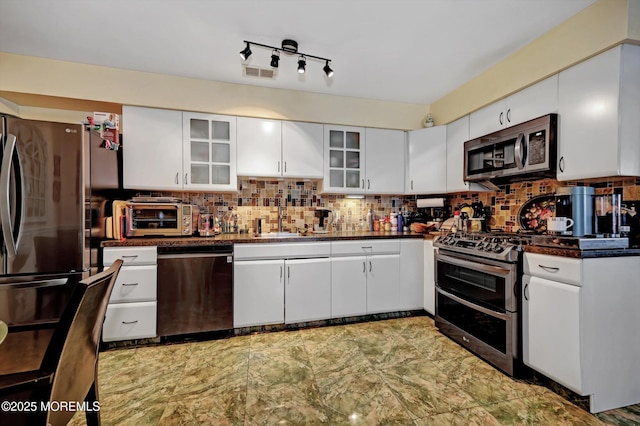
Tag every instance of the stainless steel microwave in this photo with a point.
(522, 152)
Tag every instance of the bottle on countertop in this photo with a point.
(370, 220)
(400, 223)
(394, 220)
(456, 221)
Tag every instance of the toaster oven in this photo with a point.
(159, 219)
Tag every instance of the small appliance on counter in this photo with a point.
(325, 218)
(152, 217)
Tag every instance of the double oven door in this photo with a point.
(476, 305)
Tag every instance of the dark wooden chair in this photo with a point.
(69, 369)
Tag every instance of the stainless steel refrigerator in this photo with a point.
(49, 214)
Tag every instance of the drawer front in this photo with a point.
(130, 255)
(554, 268)
(135, 284)
(281, 250)
(126, 321)
(360, 247)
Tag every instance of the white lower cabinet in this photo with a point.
(411, 274)
(258, 292)
(307, 290)
(551, 318)
(429, 278)
(579, 321)
(383, 283)
(126, 321)
(132, 309)
(365, 277)
(348, 286)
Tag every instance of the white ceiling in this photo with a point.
(412, 51)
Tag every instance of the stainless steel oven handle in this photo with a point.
(474, 306)
(474, 265)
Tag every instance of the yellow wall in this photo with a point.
(24, 75)
(599, 27)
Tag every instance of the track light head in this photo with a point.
(302, 62)
(275, 57)
(327, 70)
(245, 53)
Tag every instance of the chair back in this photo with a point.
(73, 351)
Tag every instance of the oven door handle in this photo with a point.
(473, 306)
(494, 270)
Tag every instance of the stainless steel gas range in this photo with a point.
(478, 277)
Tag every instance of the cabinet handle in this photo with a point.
(362, 183)
(281, 272)
(549, 268)
(500, 118)
(177, 175)
(186, 181)
(364, 267)
(288, 272)
(412, 185)
(368, 184)
(130, 322)
(369, 266)
(526, 287)
(278, 167)
(509, 115)
(285, 167)
(129, 284)
(561, 164)
(132, 256)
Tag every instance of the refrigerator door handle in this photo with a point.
(5, 212)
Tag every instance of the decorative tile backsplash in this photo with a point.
(298, 201)
(505, 204)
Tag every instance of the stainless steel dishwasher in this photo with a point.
(195, 289)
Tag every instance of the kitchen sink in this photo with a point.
(278, 235)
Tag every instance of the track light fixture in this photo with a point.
(327, 70)
(289, 47)
(246, 52)
(275, 58)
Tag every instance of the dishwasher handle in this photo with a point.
(229, 256)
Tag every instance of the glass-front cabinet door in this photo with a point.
(344, 170)
(209, 152)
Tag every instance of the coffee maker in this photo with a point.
(576, 202)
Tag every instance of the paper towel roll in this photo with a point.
(430, 202)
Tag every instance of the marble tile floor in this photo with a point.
(399, 371)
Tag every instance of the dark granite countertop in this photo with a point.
(581, 254)
(245, 238)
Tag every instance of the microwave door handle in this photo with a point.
(520, 151)
(5, 187)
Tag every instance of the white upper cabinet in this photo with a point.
(385, 161)
(344, 164)
(274, 148)
(427, 172)
(302, 150)
(599, 112)
(152, 153)
(534, 101)
(209, 152)
(259, 147)
(457, 135)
